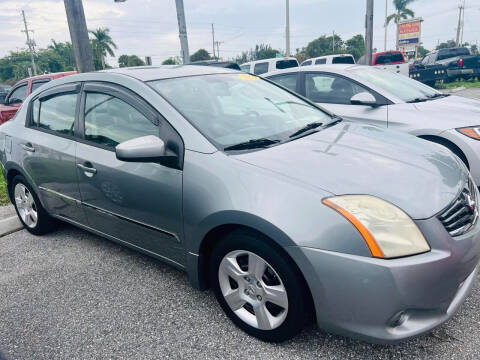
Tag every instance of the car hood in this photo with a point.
(452, 111)
(419, 177)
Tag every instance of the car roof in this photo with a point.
(149, 73)
(47, 76)
(269, 60)
(336, 68)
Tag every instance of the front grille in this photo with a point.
(459, 217)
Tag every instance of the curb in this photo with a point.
(10, 225)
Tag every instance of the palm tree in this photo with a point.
(103, 44)
(402, 13)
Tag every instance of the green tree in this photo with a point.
(421, 52)
(474, 50)
(355, 46)
(446, 45)
(262, 51)
(200, 55)
(65, 51)
(172, 61)
(102, 44)
(402, 12)
(324, 46)
(130, 60)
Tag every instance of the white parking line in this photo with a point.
(10, 225)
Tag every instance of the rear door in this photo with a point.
(288, 80)
(48, 150)
(136, 203)
(333, 92)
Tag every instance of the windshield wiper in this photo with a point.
(306, 128)
(417, 100)
(435, 96)
(252, 144)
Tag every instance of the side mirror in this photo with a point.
(144, 149)
(363, 98)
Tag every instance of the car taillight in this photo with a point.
(460, 62)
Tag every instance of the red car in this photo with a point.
(21, 90)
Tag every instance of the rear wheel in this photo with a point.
(29, 209)
(259, 287)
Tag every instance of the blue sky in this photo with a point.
(149, 27)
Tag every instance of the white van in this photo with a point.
(266, 65)
(330, 59)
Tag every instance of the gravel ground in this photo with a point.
(73, 295)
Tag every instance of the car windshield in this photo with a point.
(231, 109)
(400, 86)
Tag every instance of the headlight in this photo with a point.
(472, 132)
(387, 230)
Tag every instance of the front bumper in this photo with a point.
(387, 301)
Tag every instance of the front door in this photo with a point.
(334, 92)
(13, 101)
(137, 203)
(48, 150)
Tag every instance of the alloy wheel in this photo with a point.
(26, 206)
(253, 290)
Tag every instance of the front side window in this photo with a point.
(245, 68)
(289, 81)
(306, 63)
(260, 68)
(400, 86)
(18, 95)
(110, 121)
(323, 88)
(320, 61)
(233, 108)
(56, 113)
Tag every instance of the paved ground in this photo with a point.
(72, 295)
(469, 93)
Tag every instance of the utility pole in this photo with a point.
(218, 48)
(182, 31)
(333, 41)
(79, 35)
(463, 22)
(369, 32)
(213, 40)
(460, 11)
(287, 29)
(386, 26)
(30, 43)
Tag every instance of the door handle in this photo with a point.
(88, 170)
(28, 147)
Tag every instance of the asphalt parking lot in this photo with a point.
(73, 295)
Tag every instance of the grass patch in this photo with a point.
(469, 84)
(3, 191)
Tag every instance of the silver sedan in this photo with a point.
(373, 96)
(286, 211)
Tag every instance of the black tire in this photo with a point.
(300, 307)
(45, 223)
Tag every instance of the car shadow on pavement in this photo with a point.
(76, 293)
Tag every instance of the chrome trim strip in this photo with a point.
(60, 195)
(106, 212)
(136, 222)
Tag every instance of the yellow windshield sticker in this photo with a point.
(247, 77)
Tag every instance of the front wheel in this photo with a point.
(259, 287)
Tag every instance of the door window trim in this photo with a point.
(381, 100)
(60, 90)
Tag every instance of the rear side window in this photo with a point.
(110, 121)
(286, 64)
(343, 60)
(289, 81)
(56, 114)
(389, 58)
(260, 68)
(37, 84)
(320, 61)
(306, 63)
